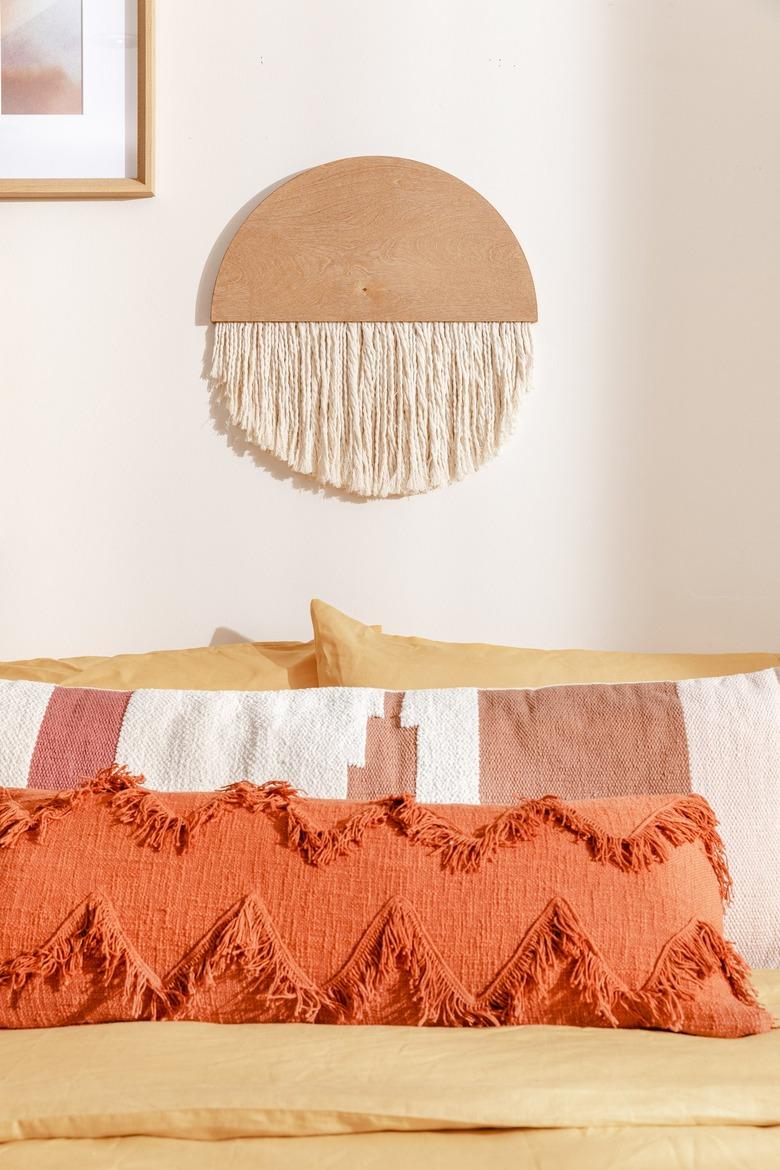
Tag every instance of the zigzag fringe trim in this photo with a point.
(246, 940)
(91, 934)
(682, 820)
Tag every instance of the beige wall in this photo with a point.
(634, 148)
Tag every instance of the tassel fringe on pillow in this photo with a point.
(377, 409)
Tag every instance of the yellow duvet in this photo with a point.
(180, 1095)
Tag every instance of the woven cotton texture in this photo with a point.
(254, 904)
(376, 408)
(719, 737)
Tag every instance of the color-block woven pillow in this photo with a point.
(254, 904)
(719, 737)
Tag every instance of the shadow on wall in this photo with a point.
(693, 173)
(223, 636)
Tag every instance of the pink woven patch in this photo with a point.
(78, 736)
(391, 756)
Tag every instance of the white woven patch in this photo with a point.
(22, 708)
(200, 740)
(447, 723)
(733, 730)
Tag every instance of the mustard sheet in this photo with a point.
(187, 1094)
(626, 1148)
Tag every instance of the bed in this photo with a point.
(176, 1093)
(295, 1095)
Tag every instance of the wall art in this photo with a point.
(373, 326)
(75, 99)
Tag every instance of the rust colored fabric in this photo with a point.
(255, 904)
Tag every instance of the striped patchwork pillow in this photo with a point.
(719, 737)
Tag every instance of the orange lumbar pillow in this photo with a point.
(255, 904)
(351, 654)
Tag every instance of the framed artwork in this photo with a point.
(75, 99)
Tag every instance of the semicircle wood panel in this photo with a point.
(374, 239)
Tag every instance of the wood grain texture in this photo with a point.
(374, 239)
(145, 176)
(138, 187)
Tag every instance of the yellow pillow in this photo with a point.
(243, 666)
(48, 670)
(350, 654)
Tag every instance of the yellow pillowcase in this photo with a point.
(351, 654)
(48, 670)
(243, 666)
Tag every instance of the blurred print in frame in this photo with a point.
(40, 57)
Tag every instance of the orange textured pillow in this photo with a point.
(254, 904)
(351, 654)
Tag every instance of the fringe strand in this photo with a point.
(376, 408)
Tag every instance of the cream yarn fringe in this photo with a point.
(378, 409)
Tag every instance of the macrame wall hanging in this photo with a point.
(372, 326)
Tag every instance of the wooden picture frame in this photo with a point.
(139, 186)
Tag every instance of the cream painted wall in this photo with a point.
(632, 144)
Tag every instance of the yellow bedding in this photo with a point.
(200, 1095)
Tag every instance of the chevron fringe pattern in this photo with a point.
(256, 904)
